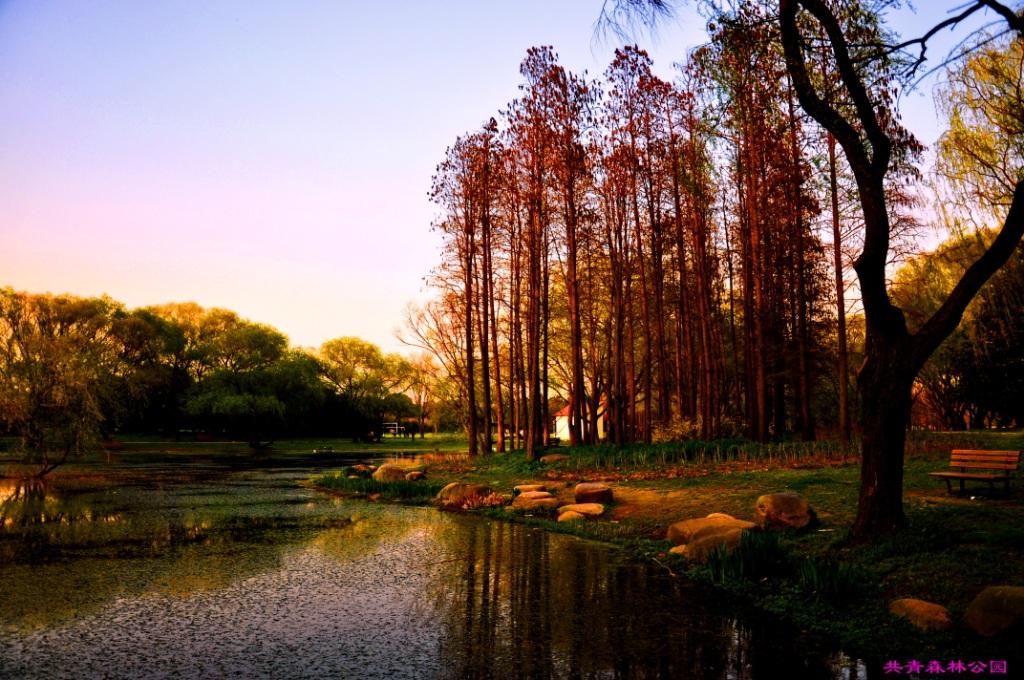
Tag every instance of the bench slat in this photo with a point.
(972, 452)
(986, 454)
(968, 475)
(983, 466)
(1005, 452)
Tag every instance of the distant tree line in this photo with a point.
(75, 370)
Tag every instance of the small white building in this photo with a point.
(561, 429)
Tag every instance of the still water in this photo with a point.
(201, 571)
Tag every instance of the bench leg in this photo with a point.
(949, 487)
(962, 485)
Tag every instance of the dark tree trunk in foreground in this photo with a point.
(885, 382)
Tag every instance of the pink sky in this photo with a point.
(271, 158)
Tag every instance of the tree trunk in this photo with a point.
(837, 253)
(471, 426)
(885, 386)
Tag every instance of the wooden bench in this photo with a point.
(1002, 463)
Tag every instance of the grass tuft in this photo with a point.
(418, 491)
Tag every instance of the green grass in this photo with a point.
(651, 456)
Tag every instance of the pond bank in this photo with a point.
(951, 550)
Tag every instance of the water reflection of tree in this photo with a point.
(518, 602)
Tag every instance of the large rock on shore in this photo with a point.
(588, 509)
(570, 516)
(593, 492)
(415, 475)
(523, 488)
(534, 500)
(924, 615)
(702, 546)
(389, 472)
(995, 609)
(686, 530)
(783, 511)
(455, 494)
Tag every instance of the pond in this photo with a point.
(200, 570)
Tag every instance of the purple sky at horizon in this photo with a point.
(270, 158)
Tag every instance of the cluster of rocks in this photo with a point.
(589, 499)
(698, 537)
(993, 610)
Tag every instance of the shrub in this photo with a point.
(491, 500)
(830, 580)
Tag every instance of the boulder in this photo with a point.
(924, 615)
(684, 531)
(553, 458)
(593, 492)
(362, 467)
(570, 516)
(522, 488)
(528, 501)
(712, 529)
(995, 609)
(415, 475)
(678, 549)
(783, 511)
(389, 472)
(700, 548)
(457, 493)
(588, 509)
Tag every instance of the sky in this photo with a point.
(272, 158)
